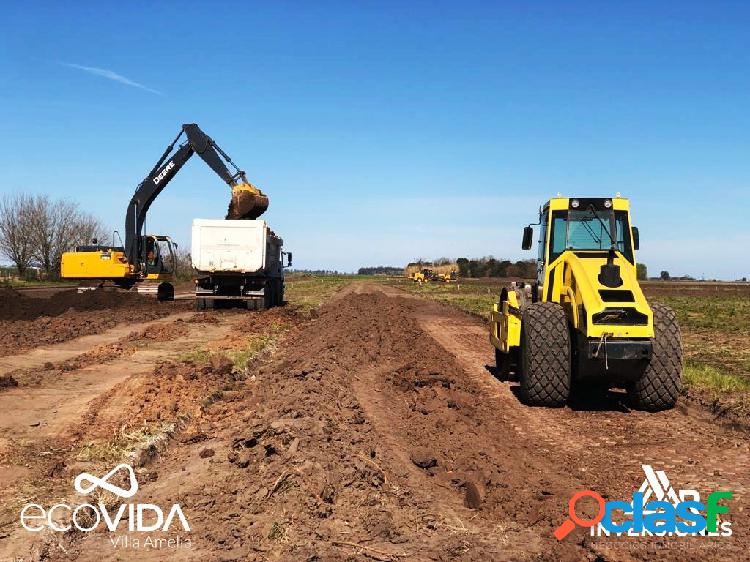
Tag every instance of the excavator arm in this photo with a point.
(247, 202)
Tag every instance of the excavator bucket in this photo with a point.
(248, 202)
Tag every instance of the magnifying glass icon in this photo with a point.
(569, 524)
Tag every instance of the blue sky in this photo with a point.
(388, 131)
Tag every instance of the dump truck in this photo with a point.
(585, 322)
(238, 262)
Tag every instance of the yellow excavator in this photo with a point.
(585, 321)
(147, 260)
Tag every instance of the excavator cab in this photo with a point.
(160, 258)
(158, 267)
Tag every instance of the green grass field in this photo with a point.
(306, 292)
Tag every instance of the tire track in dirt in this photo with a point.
(39, 356)
(41, 425)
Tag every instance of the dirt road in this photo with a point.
(371, 431)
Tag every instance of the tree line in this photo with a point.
(35, 230)
(492, 267)
(381, 270)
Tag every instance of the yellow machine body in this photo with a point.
(108, 263)
(572, 280)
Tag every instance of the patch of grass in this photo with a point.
(199, 357)
(307, 292)
(720, 313)
(122, 447)
(706, 377)
(103, 451)
(241, 358)
(277, 532)
(476, 297)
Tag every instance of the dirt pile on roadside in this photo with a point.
(27, 322)
(17, 306)
(332, 451)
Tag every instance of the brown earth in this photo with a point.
(28, 321)
(371, 431)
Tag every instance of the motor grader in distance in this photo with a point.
(585, 321)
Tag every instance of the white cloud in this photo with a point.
(111, 75)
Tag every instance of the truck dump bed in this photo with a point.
(235, 246)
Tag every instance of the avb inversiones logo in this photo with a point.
(656, 509)
(142, 517)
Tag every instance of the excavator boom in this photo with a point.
(247, 201)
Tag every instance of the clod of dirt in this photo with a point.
(160, 332)
(328, 493)
(474, 495)
(7, 381)
(423, 459)
(206, 453)
(221, 364)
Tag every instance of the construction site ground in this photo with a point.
(368, 428)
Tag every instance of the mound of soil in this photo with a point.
(27, 322)
(328, 452)
(15, 305)
(160, 332)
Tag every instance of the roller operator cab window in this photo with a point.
(589, 230)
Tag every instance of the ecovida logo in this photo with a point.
(87, 517)
(655, 510)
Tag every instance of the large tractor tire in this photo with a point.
(545, 355)
(660, 384)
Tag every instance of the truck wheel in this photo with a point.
(545, 355)
(165, 292)
(200, 304)
(660, 384)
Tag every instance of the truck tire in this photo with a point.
(200, 304)
(661, 383)
(545, 355)
(165, 292)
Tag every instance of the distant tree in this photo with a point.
(664, 276)
(16, 223)
(59, 226)
(380, 270)
(183, 266)
(641, 271)
(463, 267)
